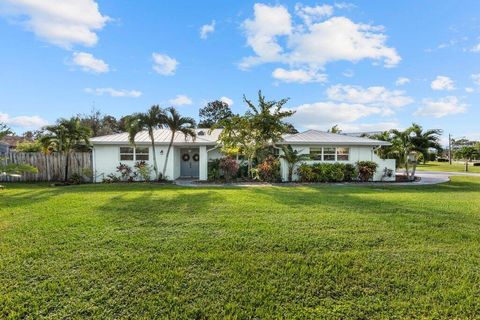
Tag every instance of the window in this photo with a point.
(130, 153)
(126, 153)
(329, 154)
(342, 154)
(141, 153)
(315, 153)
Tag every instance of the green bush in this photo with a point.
(350, 173)
(366, 170)
(29, 146)
(269, 170)
(325, 172)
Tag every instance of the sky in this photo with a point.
(364, 65)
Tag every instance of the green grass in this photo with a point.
(318, 252)
(445, 166)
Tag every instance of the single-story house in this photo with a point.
(189, 158)
(4, 148)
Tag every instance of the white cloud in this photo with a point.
(401, 81)
(300, 76)
(23, 121)
(441, 107)
(206, 29)
(311, 44)
(164, 65)
(348, 73)
(476, 78)
(310, 15)
(114, 93)
(62, 23)
(180, 100)
(344, 5)
(321, 114)
(469, 90)
(227, 100)
(89, 63)
(476, 48)
(369, 127)
(375, 96)
(442, 83)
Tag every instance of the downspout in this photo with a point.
(94, 166)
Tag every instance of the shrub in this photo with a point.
(269, 169)
(75, 178)
(111, 178)
(126, 172)
(366, 170)
(305, 173)
(214, 170)
(350, 172)
(229, 167)
(143, 170)
(29, 146)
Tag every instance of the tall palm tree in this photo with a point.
(292, 157)
(426, 140)
(65, 136)
(175, 122)
(150, 120)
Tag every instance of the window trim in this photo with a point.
(134, 153)
(334, 154)
(321, 153)
(343, 154)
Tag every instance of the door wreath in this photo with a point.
(196, 157)
(186, 157)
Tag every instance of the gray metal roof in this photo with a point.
(327, 138)
(204, 137)
(161, 136)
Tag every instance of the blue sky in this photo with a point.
(365, 65)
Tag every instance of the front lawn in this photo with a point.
(150, 251)
(446, 167)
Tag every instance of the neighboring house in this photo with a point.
(9, 143)
(189, 158)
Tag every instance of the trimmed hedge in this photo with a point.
(336, 172)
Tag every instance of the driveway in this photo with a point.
(434, 177)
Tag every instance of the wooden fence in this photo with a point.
(51, 167)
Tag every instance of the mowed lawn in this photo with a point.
(446, 167)
(319, 252)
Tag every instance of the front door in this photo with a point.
(189, 160)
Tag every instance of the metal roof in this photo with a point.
(327, 138)
(161, 136)
(205, 137)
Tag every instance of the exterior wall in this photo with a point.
(107, 157)
(357, 153)
(4, 149)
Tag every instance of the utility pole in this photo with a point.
(450, 148)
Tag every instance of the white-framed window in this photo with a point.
(329, 153)
(127, 153)
(316, 153)
(343, 154)
(142, 153)
(131, 153)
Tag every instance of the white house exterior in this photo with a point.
(189, 158)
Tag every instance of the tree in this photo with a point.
(402, 143)
(467, 153)
(260, 127)
(292, 157)
(426, 140)
(268, 118)
(150, 120)
(4, 130)
(175, 122)
(100, 124)
(290, 128)
(335, 129)
(213, 113)
(65, 136)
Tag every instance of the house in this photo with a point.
(189, 158)
(9, 143)
(4, 148)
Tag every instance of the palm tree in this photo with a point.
(66, 136)
(150, 120)
(292, 157)
(174, 121)
(426, 140)
(467, 154)
(402, 143)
